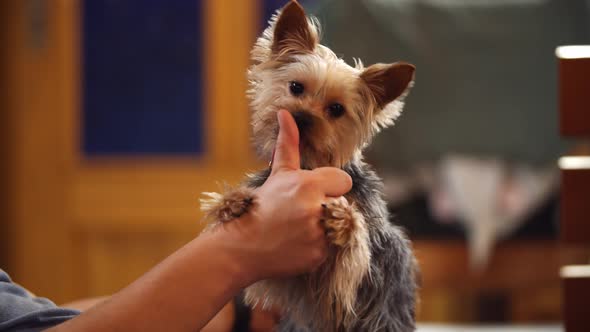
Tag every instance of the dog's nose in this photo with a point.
(303, 120)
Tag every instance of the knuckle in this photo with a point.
(314, 221)
(309, 234)
(318, 256)
(318, 233)
(315, 211)
(311, 211)
(315, 232)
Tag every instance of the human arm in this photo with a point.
(281, 236)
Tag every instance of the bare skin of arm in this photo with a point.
(281, 236)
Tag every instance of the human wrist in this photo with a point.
(236, 251)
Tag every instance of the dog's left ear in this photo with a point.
(388, 81)
(293, 34)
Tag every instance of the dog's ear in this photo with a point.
(388, 81)
(293, 34)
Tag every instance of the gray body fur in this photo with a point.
(387, 297)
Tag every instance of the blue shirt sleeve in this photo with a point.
(19, 311)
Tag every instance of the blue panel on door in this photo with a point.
(142, 77)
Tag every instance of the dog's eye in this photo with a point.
(296, 88)
(336, 110)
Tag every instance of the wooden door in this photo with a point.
(75, 225)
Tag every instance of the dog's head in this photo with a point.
(337, 108)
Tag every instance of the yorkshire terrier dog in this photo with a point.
(368, 281)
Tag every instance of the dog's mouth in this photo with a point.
(311, 156)
(310, 153)
(304, 141)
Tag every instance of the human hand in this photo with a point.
(282, 234)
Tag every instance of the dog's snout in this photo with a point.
(303, 119)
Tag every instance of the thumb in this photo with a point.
(286, 155)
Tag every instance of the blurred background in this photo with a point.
(116, 115)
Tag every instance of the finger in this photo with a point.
(286, 155)
(332, 181)
(320, 254)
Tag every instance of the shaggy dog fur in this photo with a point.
(368, 281)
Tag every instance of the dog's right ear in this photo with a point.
(388, 81)
(293, 33)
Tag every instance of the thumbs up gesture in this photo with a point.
(332, 181)
(282, 235)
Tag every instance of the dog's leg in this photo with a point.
(346, 228)
(339, 220)
(230, 205)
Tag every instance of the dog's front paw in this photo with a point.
(338, 220)
(227, 206)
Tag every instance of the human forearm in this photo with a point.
(180, 294)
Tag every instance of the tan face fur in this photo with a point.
(337, 108)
